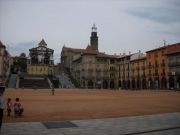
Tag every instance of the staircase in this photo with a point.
(12, 82)
(65, 81)
(32, 83)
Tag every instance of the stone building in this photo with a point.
(41, 67)
(5, 64)
(127, 70)
(173, 58)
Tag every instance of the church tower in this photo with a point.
(94, 38)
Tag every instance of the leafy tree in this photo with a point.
(46, 57)
(34, 56)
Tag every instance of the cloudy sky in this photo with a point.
(122, 25)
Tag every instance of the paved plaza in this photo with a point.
(159, 124)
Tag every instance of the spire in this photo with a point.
(42, 43)
(94, 28)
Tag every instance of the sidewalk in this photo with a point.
(160, 124)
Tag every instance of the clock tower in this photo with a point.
(94, 38)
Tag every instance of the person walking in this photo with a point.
(52, 86)
(2, 89)
(9, 104)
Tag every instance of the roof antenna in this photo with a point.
(164, 42)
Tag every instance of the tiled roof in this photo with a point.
(174, 48)
(163, 47)
(42, 42)
(141, 58)
(89, 50)
(1, 44)
(105, 55)
(74, 49)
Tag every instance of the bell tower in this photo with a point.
(94, 38)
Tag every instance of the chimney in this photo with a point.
(129, 52)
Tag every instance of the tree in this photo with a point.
(46, 57)
(34, 56)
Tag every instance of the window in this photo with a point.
(162, 53)
(149, 56)
(90, 58)
(155, 54)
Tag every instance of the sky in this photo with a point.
(122, 25)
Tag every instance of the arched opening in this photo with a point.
(119, 83)
(105, 85)
(111, 84)
(133, 84)
(128, 84)
(178, 83)
(90, 84)
(84, 84)
(171, 83)
(124, 84)
(163, 83)
(144, 83)
(138, 84)
(150, 83)
(156, 83)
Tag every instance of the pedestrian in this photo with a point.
(9, 104)
(22, 87)
(2, 89)
(52, 89)
(17, 106)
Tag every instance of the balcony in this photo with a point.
(123, 76)
(149, 75)
(163, 74)
(88, 77)
(90, 69)
(156, 65)
(149, 66)
(132, 76)
(119, 77)
(143, 76)
(123, 69)
(98, 77)
(174, 64)
(112, 70)
(105, 70)
(132, 69)
(163, 64)
(127, 69)
(155, 74)
(137, 76)
(142, 67)
(175, 73)
(112, 77)
(105, 78)
(137, 68)
(119, 70)
(127, 76)
(98, 70)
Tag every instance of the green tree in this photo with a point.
(34, 56)
(46, 57)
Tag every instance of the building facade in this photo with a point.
(5, 63)
(157, 68)
(173, 58)
(45, 61)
